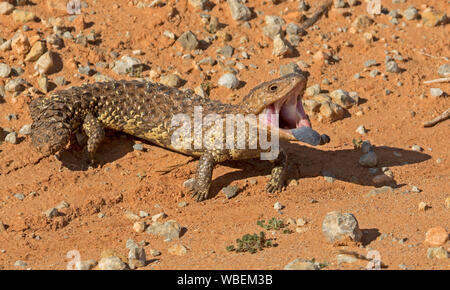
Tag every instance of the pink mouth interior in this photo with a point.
(291, 114)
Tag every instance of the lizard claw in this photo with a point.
(273, 187)
(198, 194)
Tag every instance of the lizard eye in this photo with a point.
(273, 88)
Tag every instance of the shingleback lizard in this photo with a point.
(145, 110)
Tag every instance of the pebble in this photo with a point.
(128, 65)
(272, 30)
(20, 263)
(392, 67)
(38, 49)
(11, 138)
(361, 130)
(136, 257)
(345, 258)
(5, 70)
(23, 15)
(313, 90)
(228, 80)
(171, 80)
(436, 237)
(19, 196)
(343, 98)
(226, 51)
(370, 62)
(139, 227)
(155, 253)
(230, 191)
(436, 92)
(169, 230)
(301, 264)
(357, 76)
(416, 148)
(143, 214)
(189, 183)
(281, 47)
(6, 8)
(182, 204)
(239, 11)
(131, 215)
(433, 18)
(437, 253)
(423, 206)
(447, 202)
(53, 212)
(158, 216)
(411, 13)
(368, 159)
(43, 84)
(188, 40)
(138, 147)
(291, 67)
(85, 265)
(111, 263)
(415, 189)
(362, 21)
(366, 147)
(444, 70)
(374, 73)
(278, 206)
(45, 63)
(16, 85)
(177, 250)
(25, 130)
(339, 227)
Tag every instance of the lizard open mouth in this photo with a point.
(287, 113)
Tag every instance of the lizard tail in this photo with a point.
(51, 127)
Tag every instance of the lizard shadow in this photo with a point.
(309, 162)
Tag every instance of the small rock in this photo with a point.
(188, 41)
(20, 44)
(361, 130)
(342, 98)
(138, 147)
(272, 30)
(368, 159)
(11, 138)
(53, 212)
(340, 227)
(155, 252)
(139, 227)
(281, 47)
(131, 215)
(5, 70)
(228, 80)
(411, 13)
(111, 263)
(128, 65)
(416, 148)
(23, 16)
(301, 264)
(366, 147)
(43, 84)
(345, 258)
(169, 230)
(158, 216)
(25, 130)
(339, 3)
(444, 70)
(374, 73)
(382, 179)
(189, 183)
(447, 202)
(171, 80)
(423, 206)
(433, 18)
(45, 63)
(230, 191)
(177, 249)
(19, 263)
(313, 90)
(415, 189)
(36, 51)
(278, 206)
(19, 196)
(85, 265)
(370, 62)
(392, 67)
(6, 8)
(136, 257)
(437, 253)
(362, 21)
(436, 92)
(436, 237)
(238, 10)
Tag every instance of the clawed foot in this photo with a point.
(274, 186)
(198, 193)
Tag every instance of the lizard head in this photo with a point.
(280, 102)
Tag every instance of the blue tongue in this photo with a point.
(309, 136)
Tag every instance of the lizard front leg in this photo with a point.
(95, 132)
(278, 176)
(203, 177)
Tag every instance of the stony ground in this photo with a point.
(366, 82)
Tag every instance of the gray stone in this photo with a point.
(436, 92)
(25, 130)
(339, 3)
(411, 13)
(366, 147)
(188, 40)
(301, 264)
(138, 147)
(16, 85)
(111, 263)
(230, 191)
(169, 230)
(281, 47)
(368, 159)
(272, 30)
(60, 81)
(19, 263)
(444, 70)
(380, 190)
(313, 90)
(341, 227)
(45, 63)
(294, 29)
(228, 80)
(374, 73)
(11, 138)
(392, 67)
(238, 10)
(370, 62)
(136, 257)
(5, 70)
(303, 5)
(128, 65)
(416, 148)
(361, 130)
(226, 51)
(437, 253)
(53, 212)
(85, 265)
(171, 80)
(6, 8)
(19, 196)
(291, 67)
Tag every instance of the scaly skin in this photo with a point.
(145, 110)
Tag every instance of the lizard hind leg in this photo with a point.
(94, 130)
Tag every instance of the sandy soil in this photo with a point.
(135, 181)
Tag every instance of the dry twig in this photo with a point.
(442, 117)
